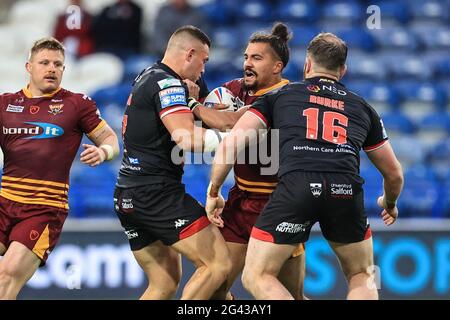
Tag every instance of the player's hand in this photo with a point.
(194, 90)
(92, 155)
(214, 207)
(389, 215)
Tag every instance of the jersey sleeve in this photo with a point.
(90, 119)
(171, 97)
(262, 109)
(377, 135)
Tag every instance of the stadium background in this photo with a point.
(402, 69)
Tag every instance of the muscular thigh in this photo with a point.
(205, 247)
(354, 257)
(159, 261)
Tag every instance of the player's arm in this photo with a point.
(188, 136)
(243, 133)
(105, 148)
(390, 168)
(221, 120)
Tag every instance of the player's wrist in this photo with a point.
(213, 190)
(192, 103)
(389, 204)
(107, 151)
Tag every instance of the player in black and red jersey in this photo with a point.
(322, 128)
(42, 127)
(160, 219)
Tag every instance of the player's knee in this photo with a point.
(221, 269)
(7, 274)
(357, 272)
(248, 278)
(168, 289)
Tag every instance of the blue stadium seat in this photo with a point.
(357, 38)
(254, 10)
(382, 97)
(293, 72)
(433, 129)
(368, 67)
(76, 201)
(410, 67)
(302, 35)
(134, 64)
(343, 11)
(396, 39)
(429, 10)
(420, 99)
(117, 94)
(409, 150)
(439, 159)
(397, 123)
(442, 69)
(218, 12)
(397, 11)
(373, 188)
(227, 37)
(297, 11)
(420, 194)
(438, 39)
(444, 203)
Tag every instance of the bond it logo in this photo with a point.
(40, 130)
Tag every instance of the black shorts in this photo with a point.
(158, 212)
(301, 199)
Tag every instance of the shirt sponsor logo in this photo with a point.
(13, 108)
(127, 204)
(41, 130)
(133, 160)
(172, 97)
(169, 82)
(316, 189)
(341, 190)
(288, 227)
(334, 90)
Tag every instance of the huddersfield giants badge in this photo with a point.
(55, 109)
(34, 109)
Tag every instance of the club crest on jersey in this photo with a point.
(34, 109)
(316, 189)
(313, 88)
(55, 109)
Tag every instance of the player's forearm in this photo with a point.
(393, 184)
(216, 119)
(110, 146)
(222, 164)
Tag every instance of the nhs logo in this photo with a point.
(41, 130)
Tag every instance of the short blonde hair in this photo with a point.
(49, 43)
